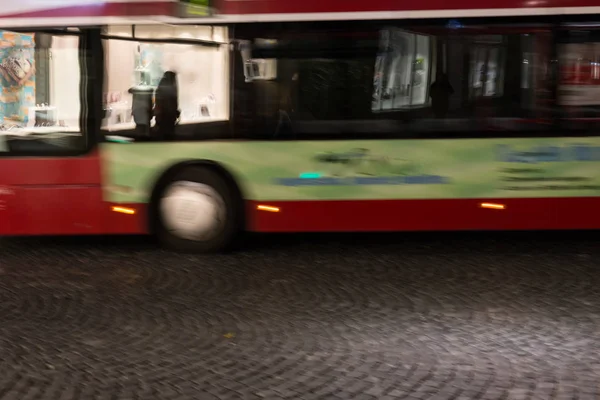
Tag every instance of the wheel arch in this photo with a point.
(161, 181)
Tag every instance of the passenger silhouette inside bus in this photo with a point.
(166, 108)
(440, 92)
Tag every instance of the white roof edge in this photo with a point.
(298, 17)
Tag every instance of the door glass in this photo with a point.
(40, 102)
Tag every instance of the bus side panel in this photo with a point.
(52, 195)
(424, 215)
(132, 222)
(8, 201)
(394, 185)
(59, 210)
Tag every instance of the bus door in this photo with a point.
(49, 171)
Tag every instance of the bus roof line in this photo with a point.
(221, 19)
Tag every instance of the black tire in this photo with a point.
(225, 236)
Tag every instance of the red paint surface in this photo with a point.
(332, 6)
(426, 215)
(27, 171)
(60, 196)
(398, 215)
(154, 8)
(135, 9)
(51, 195)
(119, 223)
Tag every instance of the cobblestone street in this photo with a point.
(454, 316)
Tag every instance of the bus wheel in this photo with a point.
(197, 212)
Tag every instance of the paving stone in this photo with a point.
(327, 317)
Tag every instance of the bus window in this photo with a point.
(579, 78)
(478, 80)
(352, 81)
(164, 79)
(40, 102)
(402, 71)
(317, 83)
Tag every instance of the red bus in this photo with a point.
(280, 116)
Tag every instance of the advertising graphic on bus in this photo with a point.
(196, 120)
(195, 8)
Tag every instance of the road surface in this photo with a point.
(445, 316)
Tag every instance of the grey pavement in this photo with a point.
(447, 316)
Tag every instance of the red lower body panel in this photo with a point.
(68, 211)
(50, 210)
(424, 215)
(81, 211)
(119, 222)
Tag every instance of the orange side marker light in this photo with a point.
(263, 207)
(493, 206)
(123, 210)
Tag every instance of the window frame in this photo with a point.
(193, 130)
(428, 73)
(555, 126)
(91, 79)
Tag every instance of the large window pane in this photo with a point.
(421, 71)
(302, 80)
(402, 74)
(135, 70)
(579, 78)
(40, 99)
(346, 81)
(486, 66)
(494, 82)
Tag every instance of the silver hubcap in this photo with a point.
(192, 210)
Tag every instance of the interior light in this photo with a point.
(493, 206)
(123, 210)
(263, 207)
